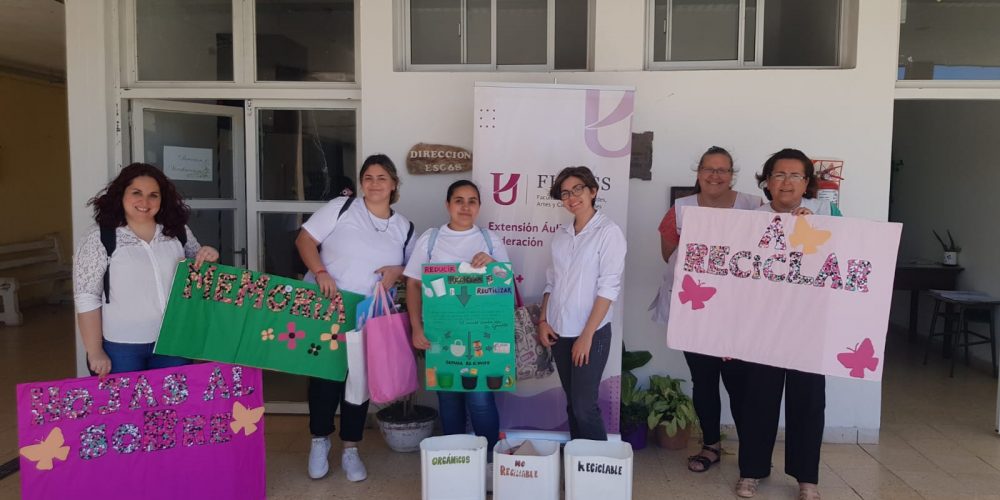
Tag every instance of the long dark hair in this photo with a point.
(714, 150)
(790, 154)
(109, 212)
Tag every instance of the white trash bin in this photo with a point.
(453, 467)
(520, 477)
(601, 470)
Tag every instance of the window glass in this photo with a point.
(305, 40)
(183, 40)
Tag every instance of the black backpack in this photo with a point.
(110, 241)
(347, 204)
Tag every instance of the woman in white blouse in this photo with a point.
(351, 244)
(120, 298)
(588, 258)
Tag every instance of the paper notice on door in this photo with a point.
(187, 164)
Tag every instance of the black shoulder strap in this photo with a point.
(108, 239)
(347, 204)
(409, 234)
(183, 237)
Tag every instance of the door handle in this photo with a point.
(241, 255)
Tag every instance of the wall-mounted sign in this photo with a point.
(641, 165)
(438, 159)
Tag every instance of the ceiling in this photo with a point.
(32, 36)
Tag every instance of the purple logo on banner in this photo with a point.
(511, 186)
(194, 431)
(623, 111)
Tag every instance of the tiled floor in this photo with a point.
(937, 439)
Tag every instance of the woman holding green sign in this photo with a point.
(140, 236)
(584, 279)
(460, 240)
(352, 245)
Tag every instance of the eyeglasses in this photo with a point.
(782, 176)
(716, 171)
(575, 191)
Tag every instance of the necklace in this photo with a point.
(375, 226)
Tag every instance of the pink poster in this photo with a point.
(810, 293)
(189, 432)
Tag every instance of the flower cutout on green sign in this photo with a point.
(291, 336)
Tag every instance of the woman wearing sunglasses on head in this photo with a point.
(584, 279)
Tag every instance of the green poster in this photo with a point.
(469, 321)
(232, 315)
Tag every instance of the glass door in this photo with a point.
(300, 154)
(200, 147)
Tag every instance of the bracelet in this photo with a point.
(321, 271)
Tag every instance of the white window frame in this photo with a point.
(739, 63)
(404, 46)
(244, 54)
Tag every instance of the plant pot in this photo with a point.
(950, 259)
(403, 433)
(636, 436)
(679, 441)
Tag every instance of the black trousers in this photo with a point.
(705, 374)
(324, 397)
(582, 384)
(805, 405)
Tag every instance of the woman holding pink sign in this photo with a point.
(351, 244)
(789, 183)
(460, 240)
(714, 189)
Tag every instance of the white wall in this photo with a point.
(948, 149)
(845, 114)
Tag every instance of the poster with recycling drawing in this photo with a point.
(469, 321)
(809, 293)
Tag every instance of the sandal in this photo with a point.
(746, 487)
(706, 462)
(808, 492)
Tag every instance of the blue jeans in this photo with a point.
(138, 357)
(480, 407)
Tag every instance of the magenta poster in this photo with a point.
(195, 431)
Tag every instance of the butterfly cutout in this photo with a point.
(695, 293)
(860, 358)
(245, 419)
(809, 237)
(48, 450)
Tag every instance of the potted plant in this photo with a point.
(405, 424)
(951, 250)
(633, 400)
(671, 412)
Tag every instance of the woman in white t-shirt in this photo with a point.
(581, 285)
(789, 182)
(714, 188)
(351, 244)
(120, 298)
(460, 240)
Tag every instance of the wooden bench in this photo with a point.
(36, 262)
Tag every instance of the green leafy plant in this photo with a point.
(633, 399)
(668, 405)
(950, 246)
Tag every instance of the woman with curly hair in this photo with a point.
(141, 217)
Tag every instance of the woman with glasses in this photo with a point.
(789, 182)
(584, 279)
(713, 188)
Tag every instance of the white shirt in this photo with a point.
(453, 246)
(141, 276)
(355, 245)
(584, 266)
(818, 206)
(743, 201)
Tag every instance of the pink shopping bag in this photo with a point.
(392, 368)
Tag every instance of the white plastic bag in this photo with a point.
(356, 385)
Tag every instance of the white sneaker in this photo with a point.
(489, 477)
(351, 462)
(319, 465)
